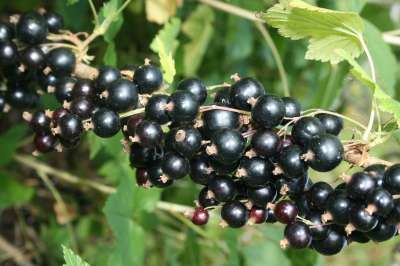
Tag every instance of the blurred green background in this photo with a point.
(211, 45)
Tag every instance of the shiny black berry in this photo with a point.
(200, 216)
(57, 114)
(325, 153)
(394, 215)
(140, 156)
(70, 126)
(358, 237)
(61, 61)
(175, 166)
(44, 143)
(82, 107)
(148, 79)
(377, 171)
(63, 89)
(107, 75)
(360, 186)
(297, 235)
(318, 230)
(305, 129)
(337, 208)
(156, 176)
(235, 214)
(244, 90)
(106, 123)
(285, 211)
(380, 202)
(122, 95)
(223, 98)
(149, 133)
(223, 168)
(332, 244)
(131, 124)
(292, 107)
(205, 200)
(184, 140)
(32, 28)
(21, 98)
(268, 111)
(39, 122)
(332, 123)
(382, 232)
(391, 180)
(227, 146)
(361, 219)
(194, 86)
(33, 57)
(255, 171)
(3, 103)
(55, 22)
(265, 143)
(200, 169)
(7, 32)
(83, 88)
(291, 162)
(183, 107)
(261, 196)
(223, 188)
(318, 195)
(155, 109)
(8, 53)
(215, 120)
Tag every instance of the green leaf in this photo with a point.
(231, 238)
(111, 146)
(326, 29)
(165, 44)
(9, 142)
(303, 257)
(107, 12)
(350, 5)
(72, 2)
(71, 259)
(383, 57)
(110, 56)
(239, 38)
(199, 28)
(13, 192)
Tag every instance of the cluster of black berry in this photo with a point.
(251, 151)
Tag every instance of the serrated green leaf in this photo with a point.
(110, 10)
(199, 28)
(13, 192)
(9, 142)
(71, 259)
(165, 44)
(326, 29)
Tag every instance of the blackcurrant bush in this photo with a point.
(61, 61)
(175, 166)
(205, 200)
(268, 112)
(391, 179)
(223, 188)
(148, 79)
(7, 32)
(140, 156)
(107, 75)
(183, 107)
(200, 216)
(215, 120)
(44, 143)
(292, 107)
(361, 220)
(106, 123)
(55, 22)
(325, 153)
(155, 109)
(32, 28)
(337, 208)
(83, 88)
(332, 244)
(184, 140)
(297, 235)
(235, 214)
(63, 90)
(194, 86)
(377, 171)
(318, 195)
(380, 202)
(265, 143)
(8, 53)
(70, 126)
(285, 211)
(305, 129)
(33, 57)
(332, 123)
(149, 133)
(244, 90)
(156, 176)
(122, 95)
(82, 107)
(290, 161)
(360, 186)
(261, 196)
(382, 232)
(258, 215)
(255, 171)
(227, 146)
(200, 169)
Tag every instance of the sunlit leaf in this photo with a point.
(71, 259)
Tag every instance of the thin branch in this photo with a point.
(94, 12)
(264, 32)
(14, 253)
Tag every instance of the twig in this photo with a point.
(94, 12)
(264, 32)
(14, 253)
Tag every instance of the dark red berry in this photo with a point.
(200, 216)
(142, 177)
(285, 211)
(44, 143)
(258, 215)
